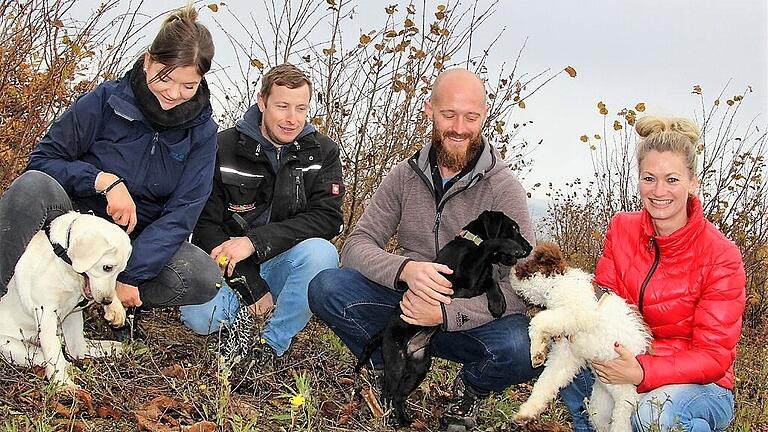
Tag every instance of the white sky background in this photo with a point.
(652, 51)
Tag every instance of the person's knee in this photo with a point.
(197, 274)
(317, 254)
(201, 319)
(37, 186)
(320, 288)
(656, 412)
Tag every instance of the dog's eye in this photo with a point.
(108, 268)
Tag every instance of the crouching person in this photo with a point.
(426, 200)
(276, 203)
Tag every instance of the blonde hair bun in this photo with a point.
(648, 125)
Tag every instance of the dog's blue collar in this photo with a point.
(471, 237)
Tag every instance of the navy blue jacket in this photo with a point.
(169, 174)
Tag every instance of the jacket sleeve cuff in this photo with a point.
(399, 285)
(644, 385)
(128, 279)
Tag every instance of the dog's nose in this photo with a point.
(106, 301)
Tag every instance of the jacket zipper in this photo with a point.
(298, 183)
(439, 207)
(154, 143)
(657, 255)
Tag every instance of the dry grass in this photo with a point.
(175, 379)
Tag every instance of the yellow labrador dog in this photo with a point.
(47, 293)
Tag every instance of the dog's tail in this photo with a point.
(370, 347)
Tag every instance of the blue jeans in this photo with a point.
(495, 355)
(288, 275)
(686, 407)
(36, 198)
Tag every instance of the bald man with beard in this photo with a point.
(426, 200)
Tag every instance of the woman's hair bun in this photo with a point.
(649, 125)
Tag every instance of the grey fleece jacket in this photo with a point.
(405, 204)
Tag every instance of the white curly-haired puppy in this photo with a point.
(589, 324)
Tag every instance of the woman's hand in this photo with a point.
(128, 294)
(120, 205)
(623, 370)
(231, 252)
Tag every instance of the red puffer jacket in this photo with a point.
(689, 287)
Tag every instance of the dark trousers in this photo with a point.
(495, 355)
(36, 198)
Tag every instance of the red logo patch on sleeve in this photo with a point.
(335, 188)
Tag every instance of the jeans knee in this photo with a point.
(203, 321)
(37, 186)
(320, 254)
(319, 289)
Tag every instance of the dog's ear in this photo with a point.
(86, 250)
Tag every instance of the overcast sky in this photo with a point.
(651, 51)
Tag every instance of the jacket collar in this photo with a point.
(486, 164)
(680, 240)
(250, 125)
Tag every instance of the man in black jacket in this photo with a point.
(276, 202)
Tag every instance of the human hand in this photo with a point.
(426, 280)
(231, 252)
(128, 294)
(622, 370)
(262, 305)
(417, 311)
(120, 205)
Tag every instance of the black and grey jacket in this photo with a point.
(275, 197)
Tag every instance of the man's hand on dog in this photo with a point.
(418, 312)
(426, 280)
(231, 252)
(128, 294)
(120, 205)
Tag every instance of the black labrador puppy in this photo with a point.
(492, 238)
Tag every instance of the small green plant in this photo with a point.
(301, 406)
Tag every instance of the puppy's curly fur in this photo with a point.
(588, 326)
(547, 260)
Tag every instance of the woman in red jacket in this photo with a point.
(688, 282)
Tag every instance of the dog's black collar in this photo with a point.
(471, 237)
(59, 250)
(600, 292)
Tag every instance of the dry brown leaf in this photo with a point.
(214, 7)
(145, 424)
(373, 402)
(617, 125)
(203, 426)
(584, 138)
(85, 400)
(109, 411)
(571, 71)
(174, 371)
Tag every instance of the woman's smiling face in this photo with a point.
(175, 88)
(665, 184)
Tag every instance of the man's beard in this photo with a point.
(455, 160)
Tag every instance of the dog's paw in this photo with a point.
(522, 418)
(538, 359)
(538, 353)
(114, 313)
